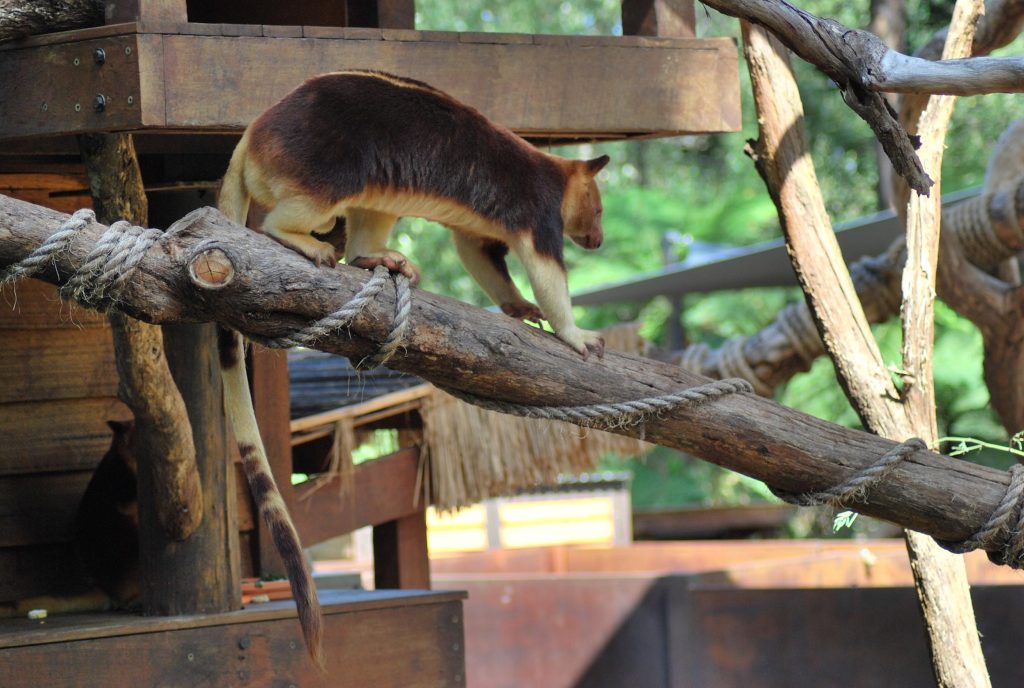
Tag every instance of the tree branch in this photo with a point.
(19, 18)
(786, 166)
(276, 292)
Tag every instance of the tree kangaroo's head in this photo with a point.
(581, 205)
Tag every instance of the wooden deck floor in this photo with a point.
(372, 638)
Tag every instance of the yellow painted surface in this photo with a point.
(554, 510)
(457, 540)
(578, 532)
(529, 522)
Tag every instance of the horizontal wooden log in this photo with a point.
(277, 292)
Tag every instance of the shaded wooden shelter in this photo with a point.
(185, 77)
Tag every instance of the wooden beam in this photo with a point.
(169, 11)
(400, 558)
(570, 86)
(382, 490)
(658, 18)
(200, 574)
(268, 371)
(373, 639)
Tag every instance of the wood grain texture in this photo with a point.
(63, 102)
(27, 17)
(577, 87)
(268, 372)
(658, 18)
(57, 435)
(44, 364)
(414, 641)
(200, 574)
(783, 158)
(400, 558)
(382, 490)
(277, 291)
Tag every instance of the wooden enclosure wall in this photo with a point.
(58, 388)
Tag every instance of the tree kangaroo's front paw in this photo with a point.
(320, 252)
(585, 342)
(522, 310)
(392, 260)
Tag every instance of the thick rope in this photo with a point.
(732, 363)
(45, 254)
(109, 266)
(343, 317)
(855, 488)
(974, 230)
(615, 414)
(1003, 533)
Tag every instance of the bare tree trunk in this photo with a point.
(889, 23)
(784, 161)
(19, 18)
(163, 440)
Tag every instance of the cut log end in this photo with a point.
(211, 268)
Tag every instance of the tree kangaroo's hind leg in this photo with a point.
(485, 262)
(550, 288)
(292, 222)
(367, 243)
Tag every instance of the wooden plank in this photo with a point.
(335, 601)
(417, 645)
(64, 100)
(400, 558)
(39, 508)
(72, 36)
(42, 365)
(56, 435)
(276, 31)
(598, 89)
(33, 303)
(577, 87)
(382, 490)
(268, 371)
(383, 402)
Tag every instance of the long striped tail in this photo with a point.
(264, 490)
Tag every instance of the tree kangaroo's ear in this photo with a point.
(597, 164)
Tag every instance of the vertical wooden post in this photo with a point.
(672, 18)
(121, 11)
(201, 574)
(384, 14)
(268, 371)
(400, 553)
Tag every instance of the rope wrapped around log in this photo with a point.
(274, 292)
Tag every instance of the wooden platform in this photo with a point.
(195, 77)
(414, 638)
